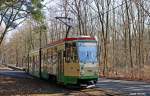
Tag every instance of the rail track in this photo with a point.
(98, 92)
(18, 83)
(93, 92)
(104, 87)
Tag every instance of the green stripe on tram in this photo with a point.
(74, 79)
(88, 77)
(70, 80)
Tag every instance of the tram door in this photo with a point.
(60, 67)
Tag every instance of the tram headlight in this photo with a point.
(96, 72)
(82, 72)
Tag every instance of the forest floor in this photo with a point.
(18, 83)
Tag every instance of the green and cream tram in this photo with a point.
(67, 61)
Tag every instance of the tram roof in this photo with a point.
(72, 39)
(79, 38)
(64, 40)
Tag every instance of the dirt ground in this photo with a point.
(18, 83)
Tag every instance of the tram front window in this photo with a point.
(87, 52)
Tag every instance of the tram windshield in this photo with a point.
(87, 52)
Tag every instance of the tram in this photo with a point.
(70, 61)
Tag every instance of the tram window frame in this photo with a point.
(51, 56)
(45, 58)
(30, 60)
(49, 53)
(33, 59)
(36, 61)
(71, 52)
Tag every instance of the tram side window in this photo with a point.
(49, 56)
(71, 53)
(33, 60)
(36, 61)
(45, 58)
(30, 60)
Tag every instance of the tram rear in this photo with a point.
(81, 65)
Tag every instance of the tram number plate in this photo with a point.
(89, 70)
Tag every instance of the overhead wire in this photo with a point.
(110, 9)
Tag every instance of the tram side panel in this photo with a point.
(52, 66)
(60, 64)
(71, 65)
(44, 63)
